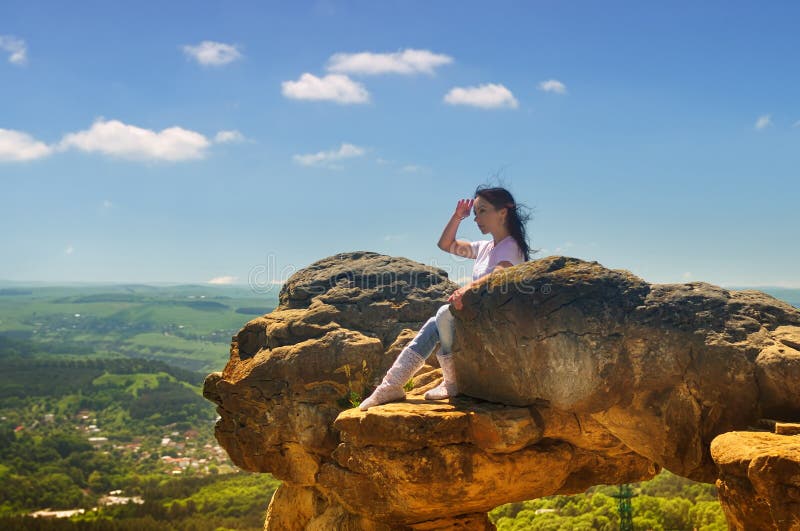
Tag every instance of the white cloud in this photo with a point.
(224, 137)
(222, 280)
(333, 87)
(16, 146)
(105, 207)
(325, 157)
(117, 139)
(114, 138)
(487, 96)
(763, 122)
(563, 247)
(18, 51)
(412, 168)
(69, 250)
(687, 275)
(553, 85)
(212, 53)
(408, 61)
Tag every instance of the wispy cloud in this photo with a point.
(105, 207)
(563, 247)
(116, 139)
(413, 168)
(333, 87)
(16, 146)
(796, 124)
(227, 279)
(227, 137)
(69, 250)
(553, 85)
(403, 167)
(322, 158)
(409, 61)
(764, 121)
(211, 53)
(486, 96)
(16, 48)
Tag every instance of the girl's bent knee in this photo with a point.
(444, 313)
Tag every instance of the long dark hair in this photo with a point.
(517, 216)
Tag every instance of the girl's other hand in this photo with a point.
(455, 298)
(464, 207)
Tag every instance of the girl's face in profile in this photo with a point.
(488, 218)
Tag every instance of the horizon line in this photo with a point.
(205, 283)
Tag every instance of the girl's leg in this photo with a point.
(446, 326)
(408, 362)
(426, 339)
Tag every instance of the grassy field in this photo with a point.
(187, 326)
(136, 383)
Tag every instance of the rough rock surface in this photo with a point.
(413, 460)
(759, 481)
(338, 327)
(571, 375)
(664, 367)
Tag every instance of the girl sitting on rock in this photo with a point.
(497, 213)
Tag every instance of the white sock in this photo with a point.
(448, 388)
(391, 388)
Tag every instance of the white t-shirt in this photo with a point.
(488, 255)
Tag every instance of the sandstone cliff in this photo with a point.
(572, 375)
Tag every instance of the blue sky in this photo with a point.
(241, 141)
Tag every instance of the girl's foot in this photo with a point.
(448, 388)
(404, 367)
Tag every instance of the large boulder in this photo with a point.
(571, 375)
(664, 367)
(759, 480)
(339, 325)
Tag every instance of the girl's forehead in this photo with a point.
(479, 201)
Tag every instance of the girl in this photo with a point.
(497, 213)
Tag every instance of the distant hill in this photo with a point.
(188, 326)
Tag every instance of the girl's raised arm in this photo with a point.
(448, 241)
